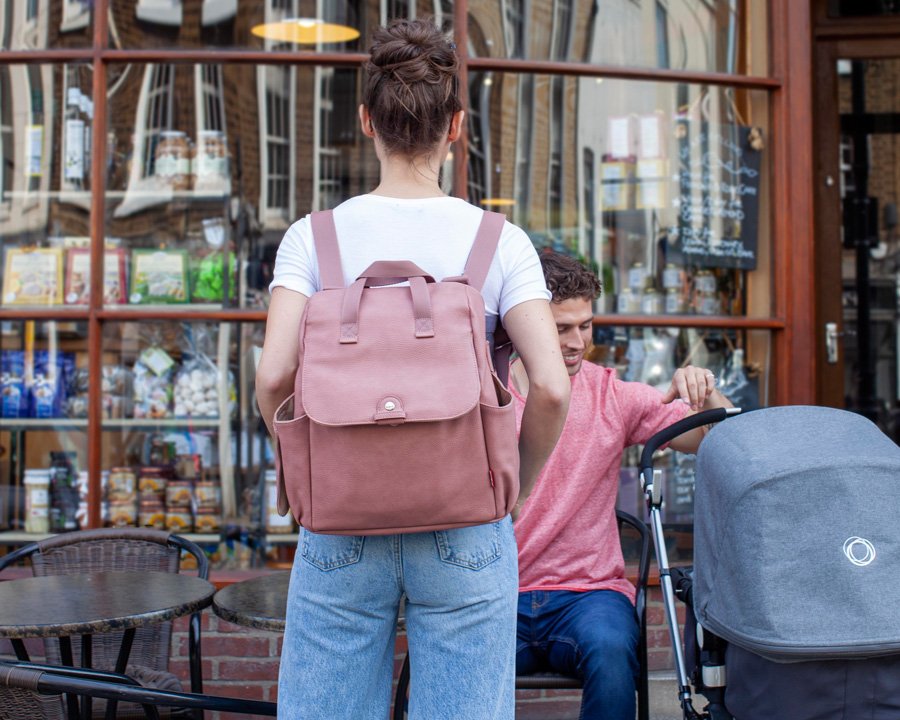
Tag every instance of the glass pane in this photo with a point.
(183, 446)
(45, 139)
(43, 419)
(342, 26)
(741, 361)
(863, 8)
(220, 168)
(40, 25)
(870, 191)
(664, 187)
(714, 36)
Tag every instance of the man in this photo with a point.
(576, 608)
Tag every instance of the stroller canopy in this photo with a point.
(797, 534)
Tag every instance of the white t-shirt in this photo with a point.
(434, 233)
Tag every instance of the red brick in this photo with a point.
(181, 668)
(248, 691)
(239, 646)
(247, 670)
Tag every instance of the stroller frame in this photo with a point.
(712, 679)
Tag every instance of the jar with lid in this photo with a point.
(672, 277)
(208, 494)
(705, 282)
(179, 520)
(152, 483)
(651, 301)
(208, 520)
(173, 161)
(122, 514)
(152, 514)
(178, 493)
(674, 302)
(637, 277)
(37, 501)
(122, 484)
(628, 302)
(210, 163)
(275, 523)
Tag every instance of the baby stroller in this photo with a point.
(796, 574)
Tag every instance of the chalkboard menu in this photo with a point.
(717, 204)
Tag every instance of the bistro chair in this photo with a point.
(35, 687)
(122, 550)
(633, 533)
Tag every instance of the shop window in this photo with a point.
(524, 138)
(662, 36)
(479, 187)
(160, 12)
(514, 26)
(562, 29)
(556, 179)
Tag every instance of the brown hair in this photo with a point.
(411, 86)
(567, 278)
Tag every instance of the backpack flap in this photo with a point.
(391, 355)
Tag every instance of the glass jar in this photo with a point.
(152, 483)
(208, 520)
(637, 277)
(122, 514)
(651, 301)
(122, 485)
(179, 520)
(208, 494)
(152, 514)
(674, 303)
(672, 277)
(173, 161)
(210, 163)
(178, 493)
(37, 501)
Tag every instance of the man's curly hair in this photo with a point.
(567, 278)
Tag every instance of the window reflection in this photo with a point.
(46, 115)
(680, 34)
(662, 186)
(209, 164)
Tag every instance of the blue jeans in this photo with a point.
(589, 635)
(461, 591)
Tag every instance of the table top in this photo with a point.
(56, 605)
(259, 602)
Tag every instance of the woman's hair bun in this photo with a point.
(411, 85)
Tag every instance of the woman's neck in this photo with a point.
(403, 177)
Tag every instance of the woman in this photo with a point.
(345, 592)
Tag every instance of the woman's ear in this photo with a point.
(456, 125)
(365, 122)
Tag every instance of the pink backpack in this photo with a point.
(398, 422)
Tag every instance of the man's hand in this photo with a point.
(692, 385)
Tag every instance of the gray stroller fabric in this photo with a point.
(797, 535)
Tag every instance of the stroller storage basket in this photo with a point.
(797, 539)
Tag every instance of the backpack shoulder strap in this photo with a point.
(482, 253)
(327, 251)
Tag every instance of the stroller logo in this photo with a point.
(859, 551)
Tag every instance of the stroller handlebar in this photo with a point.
(707, 417)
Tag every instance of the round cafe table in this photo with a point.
(90, 603)
(259, 602)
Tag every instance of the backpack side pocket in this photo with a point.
(292, 459)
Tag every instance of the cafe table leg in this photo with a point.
(87, 709)
(121, 665)
(65, 655)
(19, 648)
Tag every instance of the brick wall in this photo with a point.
(241, 662)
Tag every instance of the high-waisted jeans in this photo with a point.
(461, 596)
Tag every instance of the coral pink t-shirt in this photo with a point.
(567, 532)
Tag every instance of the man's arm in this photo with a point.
(531, 327)
(278, 362)
(696, 387)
